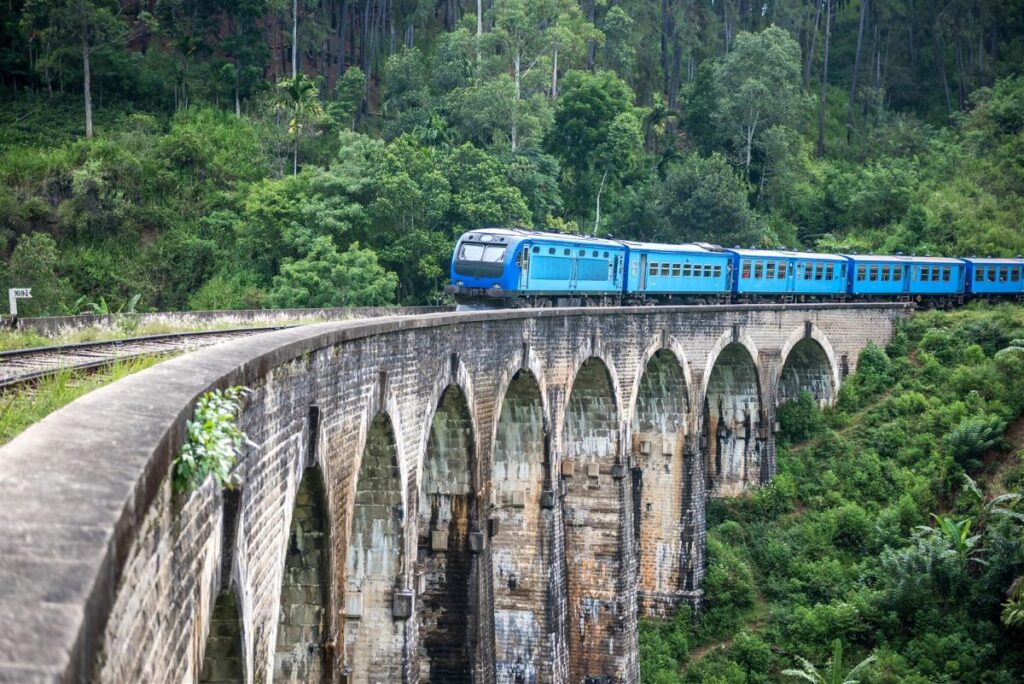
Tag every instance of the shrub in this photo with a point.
(212, 442)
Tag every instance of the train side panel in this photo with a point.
(995, 277)
(653, 272)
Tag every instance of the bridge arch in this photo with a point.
(447, 517)
(662, 481)
(808, 363)
(521, 548)
(592, 511)
(303, 616)
(732, 418)
(374, 641)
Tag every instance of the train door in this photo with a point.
(524, 267)
(908, 272)
(574, 268)
(642, 287)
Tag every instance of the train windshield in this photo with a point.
(488, 254)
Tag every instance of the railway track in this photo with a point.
(21, 366)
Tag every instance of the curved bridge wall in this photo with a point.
(111, 576)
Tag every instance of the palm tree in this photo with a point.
(1013, 609)
(300, 97)
(834, 673)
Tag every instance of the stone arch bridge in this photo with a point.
(481, 497)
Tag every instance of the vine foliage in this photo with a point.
(213, 441)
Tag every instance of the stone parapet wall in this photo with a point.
(53, 326)
(110, 576)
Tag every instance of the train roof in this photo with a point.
(903, 258)
(516, 235)
(995, 260)
(785, 254)
(688, 248)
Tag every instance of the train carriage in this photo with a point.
(513, 267)
(669, 273)
(801, 275)
(878, 277)
(995, 278)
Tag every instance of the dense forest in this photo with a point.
(246, 153)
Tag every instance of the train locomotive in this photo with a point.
(514, 268)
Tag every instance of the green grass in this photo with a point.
(26, 339)
(21, 407)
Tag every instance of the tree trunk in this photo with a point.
(940, 61)
(295, 156)
(591, 45)
(823, 98)
(554, 75)
(809, 57)
(86, 81)
(238, 103)
(479, 27)
(856, 69)
(750, 147)
(597, 210)
(295, 38)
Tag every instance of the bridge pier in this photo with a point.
(503, 495)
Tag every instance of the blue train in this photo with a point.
(501, 267)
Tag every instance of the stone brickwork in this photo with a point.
(302, 625)
(521, 502)
(374, 640)
(659, 484)
(224, 659)
(517, 433)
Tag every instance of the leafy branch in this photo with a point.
(213, 441)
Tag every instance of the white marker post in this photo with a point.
(16, 293)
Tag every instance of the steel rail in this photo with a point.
(22, 366)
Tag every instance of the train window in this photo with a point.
(707, 270)
(676, 268)
(758, 269)
(686, 270)
(634, 267)
(808, 270)
(830, 272)
(1003, 276)
(885, 274)
(782, 269)
(769, 270)
(718, 272)
(551, 250)
(654, 268)
(664, 268)
(924, 274)
(979, 274)
(862, 272)
(536, 250)
(897, 272)
(471, 252)
(1015, 275)
(746, 268)
(873, 273)
(583, 252)
(594, 254)
(946, 272)
(819, 271)
(991, 274)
